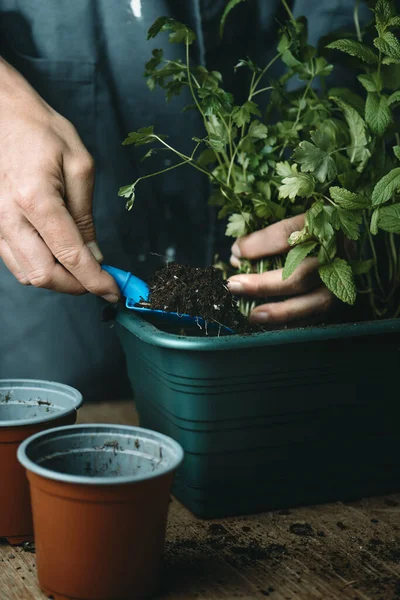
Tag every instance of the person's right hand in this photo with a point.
(47, 235)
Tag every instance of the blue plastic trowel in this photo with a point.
(136, 292)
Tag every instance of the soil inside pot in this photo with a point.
(198, 292)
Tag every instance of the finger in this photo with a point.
(235, 262)
(11, 264)
(269, 241)
(51, 219)
(270, 283)
(36, 261)
(78, 169)
(317, 302)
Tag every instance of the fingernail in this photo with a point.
(236, 250)
(259, 317)
(235, 262)
(111, 298)
(236, 287)
(95, 250)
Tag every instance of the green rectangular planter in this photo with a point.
(272, 419)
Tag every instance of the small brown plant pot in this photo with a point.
(100, 497)
(26, 407)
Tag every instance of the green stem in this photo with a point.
(190, 161)
(289, 12)
(356, 20)
(261, 75)
(262, 90)
(301, 102)
(372, 246)
(190, 76)
(394, 250)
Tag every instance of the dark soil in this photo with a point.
(199, 293)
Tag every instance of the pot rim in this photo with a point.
(44, 385)
(150, 334)
(138, 432)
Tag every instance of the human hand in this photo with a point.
(47, 235)
(309, 299)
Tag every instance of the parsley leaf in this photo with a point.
(242, 114)
(238, 225)
(295, 184)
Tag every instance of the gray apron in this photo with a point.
(86, 58)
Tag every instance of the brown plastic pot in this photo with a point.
(100, 497)
(26, 407)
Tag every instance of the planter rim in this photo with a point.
(138, 432)
(41, 385)
(150, 334)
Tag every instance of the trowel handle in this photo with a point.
(130, 286)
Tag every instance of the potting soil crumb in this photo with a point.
(197, 292)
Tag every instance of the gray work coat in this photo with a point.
(86, 58)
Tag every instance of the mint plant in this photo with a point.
(331, 154)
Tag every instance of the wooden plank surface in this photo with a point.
(330, 552)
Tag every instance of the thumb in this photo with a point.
(79, 175)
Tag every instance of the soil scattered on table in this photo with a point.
(29, 547)
(197, 292)
(302, 529)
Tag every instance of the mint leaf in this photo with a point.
(349, 97)
(374, 221)
(357, 151)
(348, 222)
(386, 187)
(355, 49)
(179, 31)
(362, 267)
(238, 225)
(377, 113)
(258, 130)
(295, 257)
(338, 278)
(389, 218)
(242, 114)
(396, 150)
(370, 82)
(297, 184)
(316, 161)
(395, 97)
(389, 45)
(393, 22)
(348, 200)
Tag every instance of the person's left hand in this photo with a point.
(309, 300)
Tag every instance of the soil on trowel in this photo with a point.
(198, 292)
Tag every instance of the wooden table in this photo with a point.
(335, 551)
